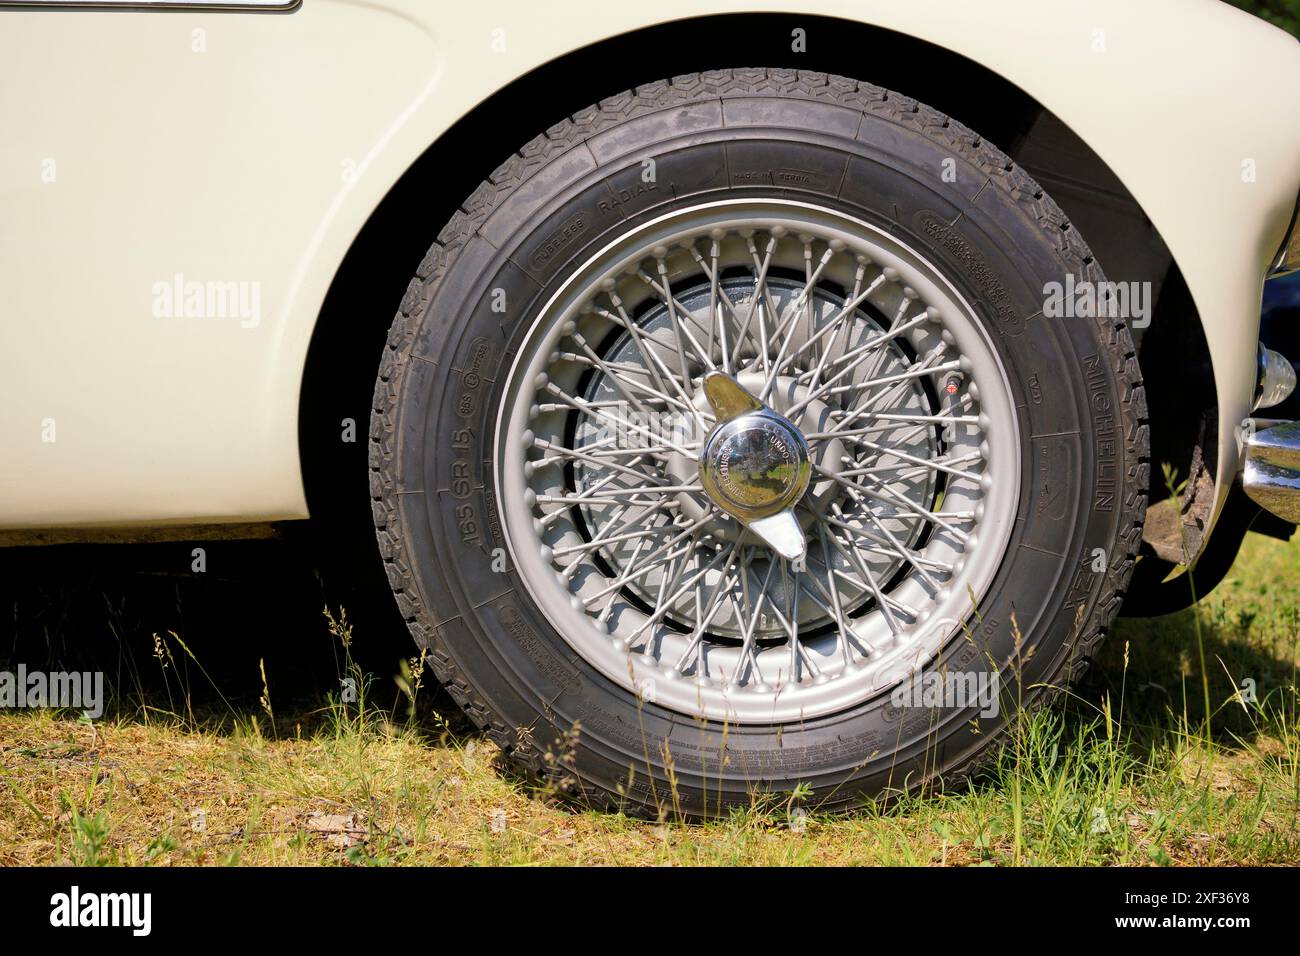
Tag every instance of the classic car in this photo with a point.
(760, 394)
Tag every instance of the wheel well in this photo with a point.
(343, 356)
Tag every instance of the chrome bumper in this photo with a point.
(1272, 474)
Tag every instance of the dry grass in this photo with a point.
(1129, 775)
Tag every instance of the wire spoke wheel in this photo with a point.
(757, 466)
(850, 338)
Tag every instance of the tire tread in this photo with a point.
(1003, 174)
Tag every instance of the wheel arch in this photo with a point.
(353, 321)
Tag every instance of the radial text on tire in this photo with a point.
(870, 276)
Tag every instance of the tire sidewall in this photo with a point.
(985, 241)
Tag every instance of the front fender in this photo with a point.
(258, 158)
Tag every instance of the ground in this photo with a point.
(1128, 773)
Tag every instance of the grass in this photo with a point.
(1156, 761)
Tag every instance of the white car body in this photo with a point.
(145, 150)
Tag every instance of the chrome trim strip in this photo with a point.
(153, 6)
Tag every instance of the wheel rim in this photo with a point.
(862, 345)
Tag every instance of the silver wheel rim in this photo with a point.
(870, 352)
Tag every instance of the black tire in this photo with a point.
(850, 146)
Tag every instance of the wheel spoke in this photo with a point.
(851, 351)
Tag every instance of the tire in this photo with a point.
(1056, 490)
